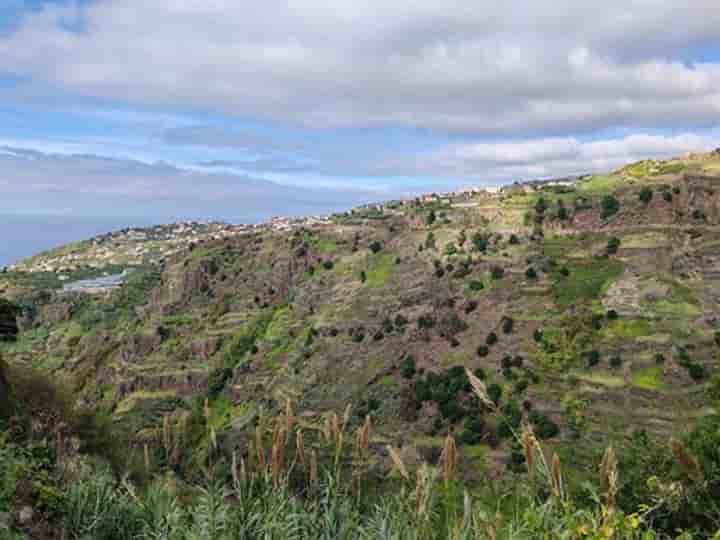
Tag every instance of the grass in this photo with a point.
(650, 378)
(626, 328)
(380, 270)
(604, 379)
(599, 184)
(587, 280)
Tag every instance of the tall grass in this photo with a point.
(291, 484)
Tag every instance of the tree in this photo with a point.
(530, 273)
(408, 367)
(609, 205)
(613, 245)
(375, 246)
(645, 195)
(431, 218)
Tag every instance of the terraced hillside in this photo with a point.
(591, 310)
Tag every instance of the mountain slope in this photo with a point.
(589, 309)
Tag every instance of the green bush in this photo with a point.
(613, 245)
(530, 273)
(645, 195)
(609, 206)
(408, 368)
(491, 339)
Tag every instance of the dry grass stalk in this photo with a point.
(260, 449)
(289, 417)
(146, 451)
(397, 460)
(300, 447)
(346, 417)
(423, 490)
(278, 452)
(529, 443)
(206, 410)
(167, 440)
(327, 430)
(313, 468)
(335, 427)
(556, 478)
(449, 458)
(480, 390)
(362, 437)
(687, 462)
(609, 476)
(234, 470)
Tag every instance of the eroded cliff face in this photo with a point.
(8, 332)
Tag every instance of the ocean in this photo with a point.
(26, 235)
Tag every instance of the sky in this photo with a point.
(239, 110)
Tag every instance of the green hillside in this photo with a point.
(588, 313)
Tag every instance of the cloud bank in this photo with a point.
(470, 66)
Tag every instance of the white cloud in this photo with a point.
(465, 65)
(549, 157)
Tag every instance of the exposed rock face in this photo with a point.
(8, 332)
(8, 321)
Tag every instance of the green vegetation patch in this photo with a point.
(587, 280)
(627, 328)
(650, 378)
(380, 269)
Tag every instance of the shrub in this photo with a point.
(507, 325)
(545, 428)
(611, 314)
(431, 218)
(676, 190)
(667, 196)
(400, 320)
(479, 373)
(408, 368)
(363, 276)
(609, 206)
(530, 273)
(430, 241)
(564, 271)
(696, 371)
(541, 205)
(538, 335)
(562, 213)
(476, 285)
(514, 239)
(645, 195)
(491, 339)
(698, 214)
(506, 362)
(480, 241)
(328, 264)
(494, 391)
(497, 272)
(616, 361)
(659, 358)
(521, 386)
(426, 321)
(593, 358)
(517, 361)
(612, 245)
(375, 246)
(483, 350)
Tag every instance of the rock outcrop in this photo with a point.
(8, 332)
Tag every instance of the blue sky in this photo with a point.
(241, 110)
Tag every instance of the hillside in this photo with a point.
(588, 308)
